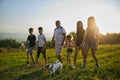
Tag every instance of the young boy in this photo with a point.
(70, 44)
(31, 41)
(41, 45)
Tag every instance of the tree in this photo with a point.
(109, 38)
(9, 43)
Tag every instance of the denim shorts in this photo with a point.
(30, 50)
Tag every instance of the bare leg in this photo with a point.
(82, 51)
(36, 61)
(69, 59)
(76, 53)
(32, 59)
(28, 57)
(94, 56)
(85, 52)
(45, 61)
(59, 58)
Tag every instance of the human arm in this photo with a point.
(53, 39)
(27, 42)
(44, 46)
(27, 45)
(84, 36)
(64, 38)
(97, 36)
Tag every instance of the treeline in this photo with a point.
(9, 43)
(109, 38)
(12, 43)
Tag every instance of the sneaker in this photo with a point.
(97, 65)
(73, 66)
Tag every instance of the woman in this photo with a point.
(79, 40)
(91, 40)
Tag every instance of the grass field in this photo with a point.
(12, 66)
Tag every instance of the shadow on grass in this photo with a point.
(36, 75)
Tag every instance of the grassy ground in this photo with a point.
(12, 66)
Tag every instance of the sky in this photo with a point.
(17, 16)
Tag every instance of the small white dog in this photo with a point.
(54, 67)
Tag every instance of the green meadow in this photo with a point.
(12, 66)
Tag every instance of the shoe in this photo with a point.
(97, 65)
(73, 66)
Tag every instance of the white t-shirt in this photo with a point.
(58, 32)
(41, 40)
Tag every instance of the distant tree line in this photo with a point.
(109, 38)
(9, 43)
(13, 43)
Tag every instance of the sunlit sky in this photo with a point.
(16, 16)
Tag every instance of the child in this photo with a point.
(91, 40)
(31, 40)
(69, 44)
(41, 45)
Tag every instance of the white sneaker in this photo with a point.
(73, 66)
(97, 65)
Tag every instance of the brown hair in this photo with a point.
(79, 26)
(69, 36)
(40, 28)
(30, 29)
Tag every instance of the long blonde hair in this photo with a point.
(91, 22)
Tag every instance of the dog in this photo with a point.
(53, 67)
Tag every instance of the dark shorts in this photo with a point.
(69, 50)
(41, 50)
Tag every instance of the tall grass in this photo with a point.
(12, 66)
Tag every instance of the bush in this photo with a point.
(9, 43)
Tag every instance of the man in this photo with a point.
(59, 38)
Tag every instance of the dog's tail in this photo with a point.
(57, 61)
